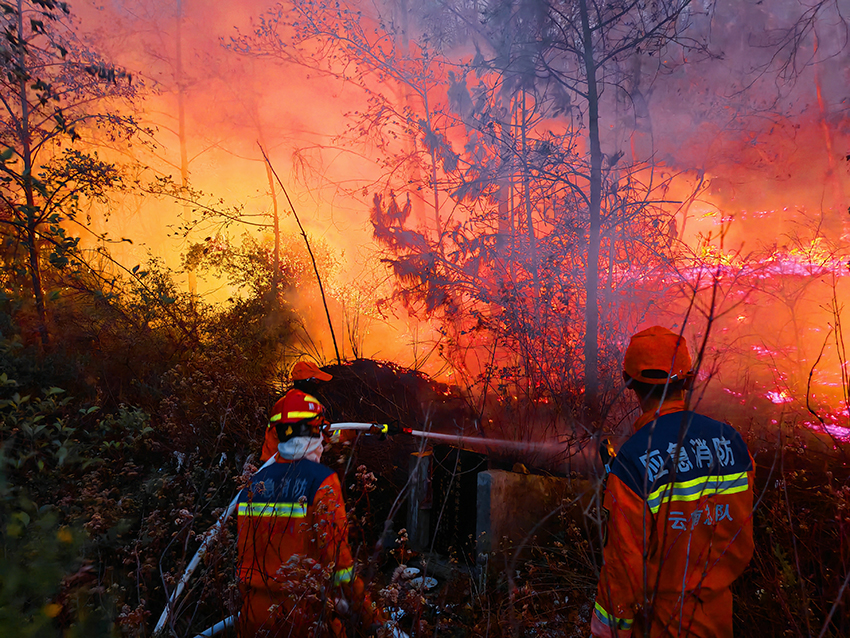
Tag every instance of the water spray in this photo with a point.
(554, 447)
(457, 440)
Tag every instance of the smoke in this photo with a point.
(756, 122)
(210, 108)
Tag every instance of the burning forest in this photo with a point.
(434, 232)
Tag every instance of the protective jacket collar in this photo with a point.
(675, 405)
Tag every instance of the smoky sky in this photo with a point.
(760, 117)
(745, 109)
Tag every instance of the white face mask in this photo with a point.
(301, 447)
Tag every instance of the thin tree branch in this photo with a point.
(309, 250)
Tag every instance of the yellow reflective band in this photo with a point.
(384, 428)
(276, 417)
(292, 510)
(611, 620)
(343, 576)
(301, 415)
(695, 489)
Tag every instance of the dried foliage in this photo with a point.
(130, 411)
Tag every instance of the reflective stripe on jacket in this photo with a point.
(291, 519)
(680, 494)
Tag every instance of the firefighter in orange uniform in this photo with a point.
(305, 376)
(295, 564)
(680, 494)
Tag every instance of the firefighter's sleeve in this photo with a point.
(332, 530)
(332, 535)
(625, 525)
(368, 612)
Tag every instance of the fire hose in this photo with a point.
(379, 429)
(218, 627)
(196, 559)
(219, 524)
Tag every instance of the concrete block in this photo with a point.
(512, 505)
(419, 500)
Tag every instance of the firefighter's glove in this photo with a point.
(325, 429)
(381, 430)
(606, 453)
(392, 428)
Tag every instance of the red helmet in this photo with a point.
(297, 414)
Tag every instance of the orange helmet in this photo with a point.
(308, 370)
(657, 355)
(297, 414)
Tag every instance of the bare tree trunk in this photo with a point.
(405, 97)
(526, 187)
(591, 334)
(32, 221)
(35, 269)
(309, 251)
(181, 134)
(433, 153)
(276, 265)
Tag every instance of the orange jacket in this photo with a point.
(677, 521)
(293, 548)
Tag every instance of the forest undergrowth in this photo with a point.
(505, 213)
(120, 452)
